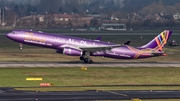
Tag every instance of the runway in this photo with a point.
(9, 94)
(81, 64)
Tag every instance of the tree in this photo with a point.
(75, 10)
(16, 9)
(10, 17)
(34, 10)
(94, 22)
(51, 6)
(22, 10)
(60, 10)
(29, 10)
(177, 6)
(157, 7)
(2, 3)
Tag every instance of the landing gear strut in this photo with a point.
(86, 57)
(20, 46)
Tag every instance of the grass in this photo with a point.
(64, 77)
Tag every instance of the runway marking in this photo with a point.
(115, 93)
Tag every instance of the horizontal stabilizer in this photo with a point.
(98, 39)
(127, 43)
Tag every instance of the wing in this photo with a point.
(93, 48)
(99, 48)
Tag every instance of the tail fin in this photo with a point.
(159, 41)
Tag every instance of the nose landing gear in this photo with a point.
(20, 46)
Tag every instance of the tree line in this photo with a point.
(123, 9)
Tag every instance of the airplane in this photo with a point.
(85, 48)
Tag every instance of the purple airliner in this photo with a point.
(85, 48)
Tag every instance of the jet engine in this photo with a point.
(72, 51)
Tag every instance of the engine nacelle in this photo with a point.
(72, 51)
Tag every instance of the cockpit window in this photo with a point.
(14, 32)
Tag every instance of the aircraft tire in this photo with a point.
(81, 58)
(20, 48)
(86, 60)
(90, 61)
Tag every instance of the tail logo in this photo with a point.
(161, 40)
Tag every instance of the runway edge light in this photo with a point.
(34, 79)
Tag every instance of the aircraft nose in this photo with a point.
(8, 35)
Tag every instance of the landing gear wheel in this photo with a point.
(81, 58)
(86, 57)
(86, 60)
(20, 48)
(90, 61)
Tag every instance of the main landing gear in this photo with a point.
(86, 57)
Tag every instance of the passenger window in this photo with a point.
(14, 32)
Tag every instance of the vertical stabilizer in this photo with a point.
(159, 41)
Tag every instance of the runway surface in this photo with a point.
(81, 64)
(9, 94)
